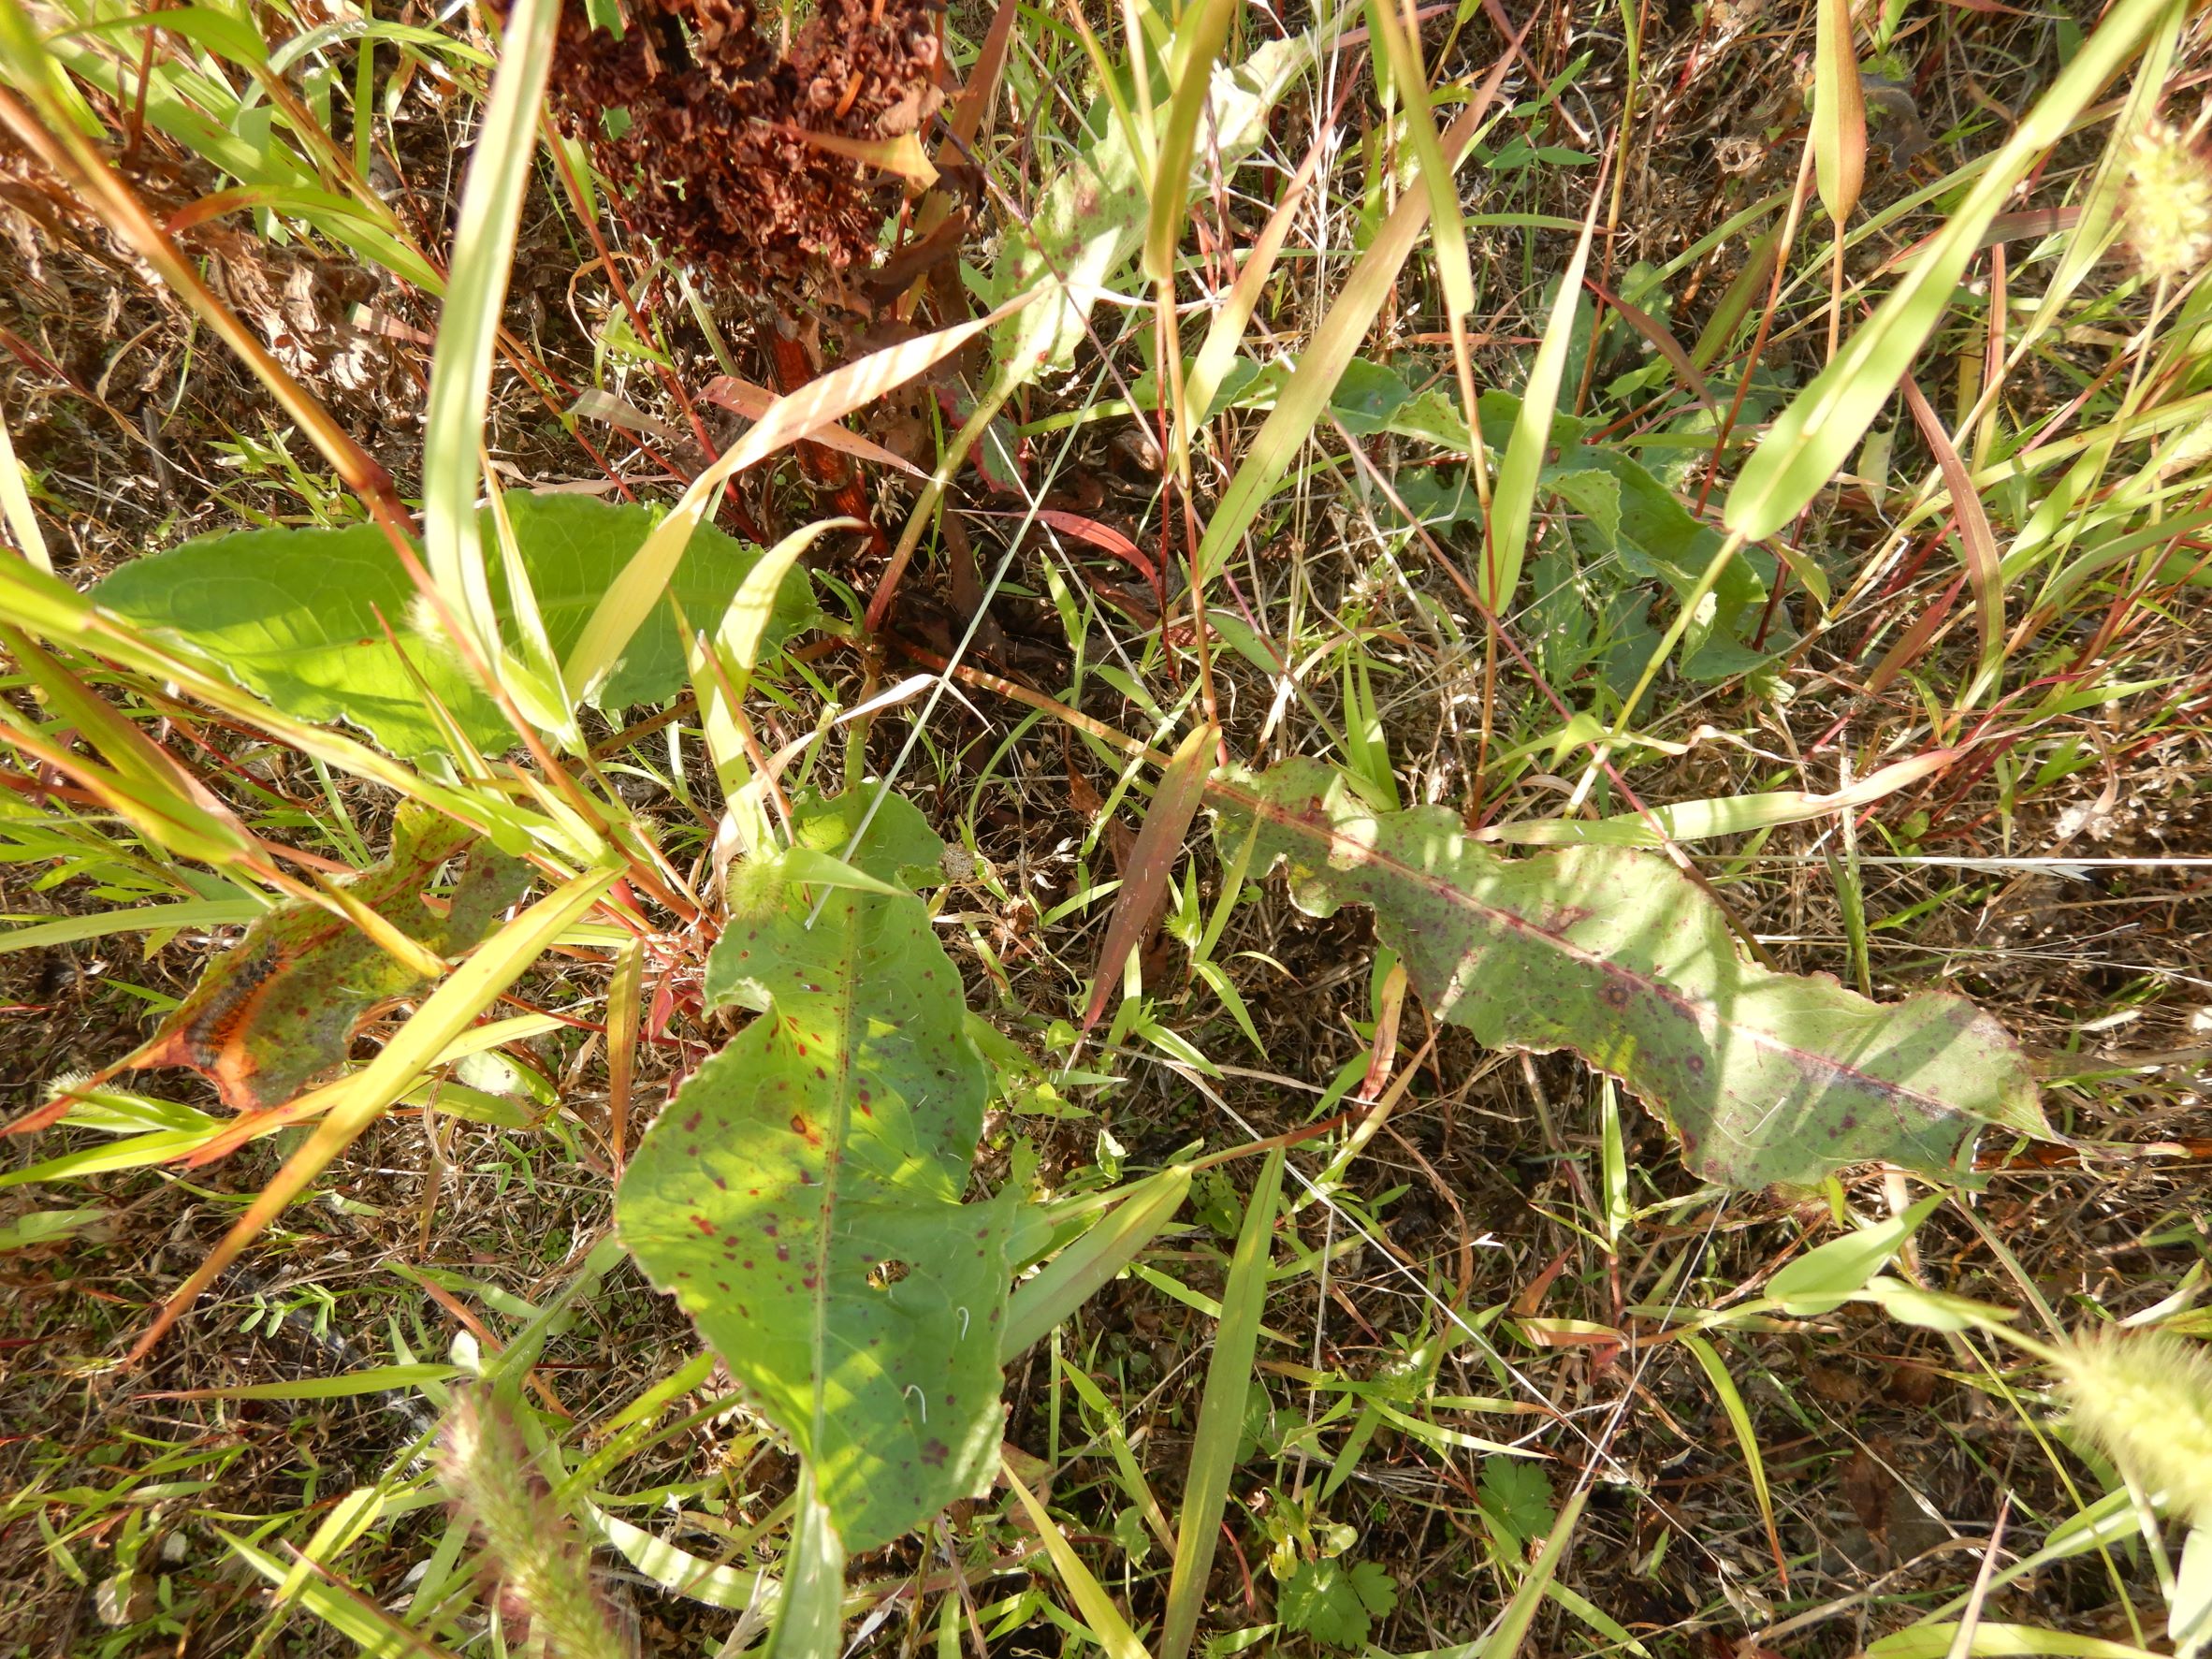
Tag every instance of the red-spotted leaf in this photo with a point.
(801, 1195)
(1617, 956)
(280, 1007)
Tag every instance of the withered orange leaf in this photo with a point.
(280, 1007)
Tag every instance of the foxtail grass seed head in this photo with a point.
(543, 1569)
(2168, 203)
(2148, 1401)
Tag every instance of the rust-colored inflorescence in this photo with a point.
(711, 135)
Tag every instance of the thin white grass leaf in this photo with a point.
(15, 506)
(1221, 1412)
(1729, 815)
(468, 324)
(1839, 112)
(1085, 1266)
(680, 1572)
(1815, 435)
(1514, 500)
(1107, 1627)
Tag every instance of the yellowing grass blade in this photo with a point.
(468, 325)
(1814, 436)
(1152, 859)
(1515, 499)
(1107, 1627)
(831, 397)
(448, 1010)
(1838, 112)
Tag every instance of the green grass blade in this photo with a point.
(1515, 499)
(1334, 345)
(468, 325)
(1221, 1413)
(1815, 435)
(1716, 1373)
(1197, 42)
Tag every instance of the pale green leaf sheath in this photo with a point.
(1620, 957)
(800, 1196)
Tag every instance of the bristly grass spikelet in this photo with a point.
(2148, 1401)
(2168, 213)
(542, 1566)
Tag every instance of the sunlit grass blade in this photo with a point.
(1221, 1412)
(468, 325)
(1107, 1627)
(1198, 41)
(795, 415)
(1074, 1275)
(1331, 348)
(1804, 449)
(15, 506)
(1514, 500)
(1747, 1439)
(448, 1010)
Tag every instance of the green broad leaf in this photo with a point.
(1594, 493)
(801, 1195)
(1336, 1602)
(1619, 958)
(280, 1007)
(301, 616)
(1516, 1495)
